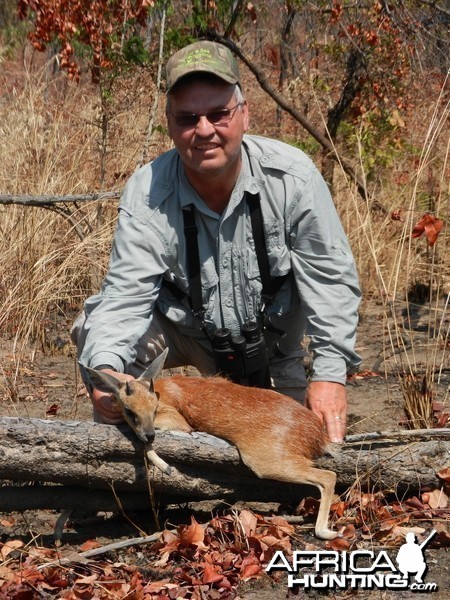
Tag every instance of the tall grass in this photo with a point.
(409, 276)
(52, 144)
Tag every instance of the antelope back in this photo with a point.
(254, 419)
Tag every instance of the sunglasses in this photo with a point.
(221, 116)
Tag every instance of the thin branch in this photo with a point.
(108, 548)
(233, 19)
(68, 215)
(435, 5)
(281, 101)
(443, 433)
(49, 201)
(150, 128)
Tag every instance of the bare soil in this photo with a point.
(44, 383)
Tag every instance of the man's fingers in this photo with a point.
(106, 409)
(328, 400)
(336, 427)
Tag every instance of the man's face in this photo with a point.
(206, 149)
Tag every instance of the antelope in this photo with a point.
(277, 437)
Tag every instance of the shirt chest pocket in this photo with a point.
(209, 275)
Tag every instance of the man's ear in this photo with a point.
(245, 116)
(169, 120)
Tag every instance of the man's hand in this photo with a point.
(328, 400)
(103, 403)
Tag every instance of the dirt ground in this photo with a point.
(46, 385)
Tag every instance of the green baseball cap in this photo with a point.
(202, 57)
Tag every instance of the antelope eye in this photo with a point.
(129, 414)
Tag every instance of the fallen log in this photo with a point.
(99, 457)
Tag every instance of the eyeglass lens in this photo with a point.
(216, 117)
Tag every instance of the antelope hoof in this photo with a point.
(159, 462)
(327, 534)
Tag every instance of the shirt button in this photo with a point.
(225, 263)
(229, 303)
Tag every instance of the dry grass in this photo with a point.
(52, 144)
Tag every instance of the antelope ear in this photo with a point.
(155, 368)
(102, 381)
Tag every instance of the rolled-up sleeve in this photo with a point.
(326, 280)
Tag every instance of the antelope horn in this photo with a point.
(159, 462)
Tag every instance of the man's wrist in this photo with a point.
(104, 368)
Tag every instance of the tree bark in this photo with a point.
(90, 455)
(48, 201)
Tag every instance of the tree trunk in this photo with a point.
(90, 455)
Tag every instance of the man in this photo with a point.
(224, 230)
(410, 558)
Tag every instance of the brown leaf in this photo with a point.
(442, 538)
(248, 522)
(367, 499)
(89, 545)
(158, 586)
(279, 525)
(87, 579)
(271, 540)
(444, 474)
(364, 374)
(9, 547)
(396, 215)
(415, 503)
(250, 571)
(338, 544)
(312, 547)
(403, 531)
(211, 574)
(6, 574)
(438, 499)
(349, 531)
(387, 524)
(52, 410)
(429, 225)
(162, 562)
(338, 508)
(192, 534)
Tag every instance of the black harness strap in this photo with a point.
(193, 261)
(270, 285)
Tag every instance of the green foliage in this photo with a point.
(309, 145)
(377, 140)
(177, 38)
(134, 52)
(13, 32)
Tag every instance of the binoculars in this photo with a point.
(242, 358)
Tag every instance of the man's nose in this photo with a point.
(204, 127)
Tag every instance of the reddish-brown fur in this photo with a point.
(224, 409)
(277, 437)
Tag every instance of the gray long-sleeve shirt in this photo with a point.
(303, 235)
